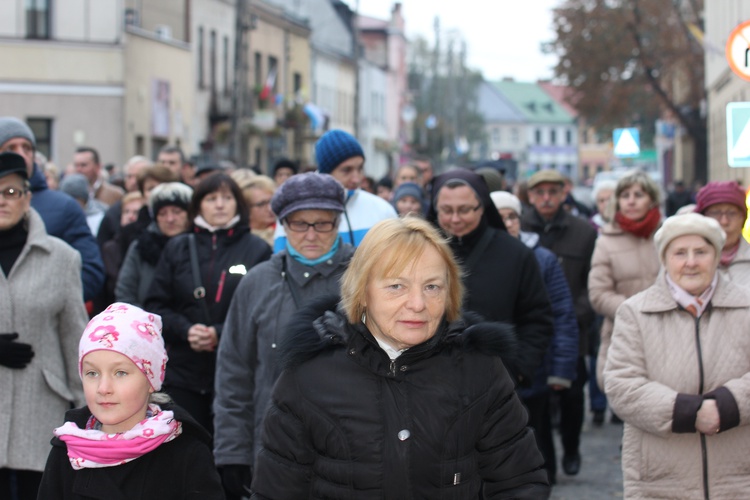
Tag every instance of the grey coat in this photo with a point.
(247, 363)
(41, 300)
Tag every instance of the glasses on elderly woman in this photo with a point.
(12, 193)
(731, 214)
(299, 226)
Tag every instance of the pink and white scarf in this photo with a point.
(692, 304)
(91, 448)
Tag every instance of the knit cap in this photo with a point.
(504, 199)
(170, 193)
(720, 192)
(11, 127)
(309, 191)
(689, 224)
(408, 189)
(335, 147)
(76, 185)
(131, 331)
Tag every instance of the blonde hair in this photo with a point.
(639, 178)
(387, 249)
(132, 196)
(242, 176)
(262, 182)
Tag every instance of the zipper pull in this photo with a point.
(456, 479)
(392, 372)
(220, 289)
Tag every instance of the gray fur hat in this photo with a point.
(170, 193)
(310, 191)
(11, 127)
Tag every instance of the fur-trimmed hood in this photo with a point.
(322, 325)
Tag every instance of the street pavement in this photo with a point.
(600, 477)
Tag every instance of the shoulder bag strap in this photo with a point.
(199, 292)
(292, 288)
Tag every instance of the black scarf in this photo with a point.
(12, 242)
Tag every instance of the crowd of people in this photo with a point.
(320, 334)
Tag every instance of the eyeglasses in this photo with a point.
(718, 214)
(261, 204)
(510, 218)
(299, 226)
(12, 193)
(550, 192)
(449, 211)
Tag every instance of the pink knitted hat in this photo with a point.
(131, 331)
(720, 192)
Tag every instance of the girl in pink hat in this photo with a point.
(129, 441)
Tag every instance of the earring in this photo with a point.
(364, 317)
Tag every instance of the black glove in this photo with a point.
(237, 479)
(14, 354)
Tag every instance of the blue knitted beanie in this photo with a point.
(335, 147)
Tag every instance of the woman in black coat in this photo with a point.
(392, 394)
(193, 310)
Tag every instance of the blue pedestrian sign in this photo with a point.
(627, 142)
(738, 134)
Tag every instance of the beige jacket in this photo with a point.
(739, 269)
(622, 265)
(659, 351)
(41, 300)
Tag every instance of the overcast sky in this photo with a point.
(503, 36)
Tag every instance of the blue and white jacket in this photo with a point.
(363, 210)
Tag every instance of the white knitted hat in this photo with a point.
(691, 223)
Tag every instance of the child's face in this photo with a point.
(117, 392)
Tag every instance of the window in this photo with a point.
(514, 135)
(37, 19)
(226, 64)
(201, 81)
(273, 67)
(42, 128)
(553, 137)
(496, 137)
(140, 145)
(537, 136)
(297, 83)
(212, 61)
(568, 137)
(258, 70)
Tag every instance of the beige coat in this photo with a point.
(41, 300)
(739, 269)
(655, 355)
(622, 265)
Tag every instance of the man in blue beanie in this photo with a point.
(62, 215)
(339, 154)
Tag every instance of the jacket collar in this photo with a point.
(302, 274)
(37, 233)
(727, 295)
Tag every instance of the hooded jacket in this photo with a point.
(440, 421)
(224, 257)
(64, 218)
(181, 469)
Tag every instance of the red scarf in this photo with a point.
(643, 228)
